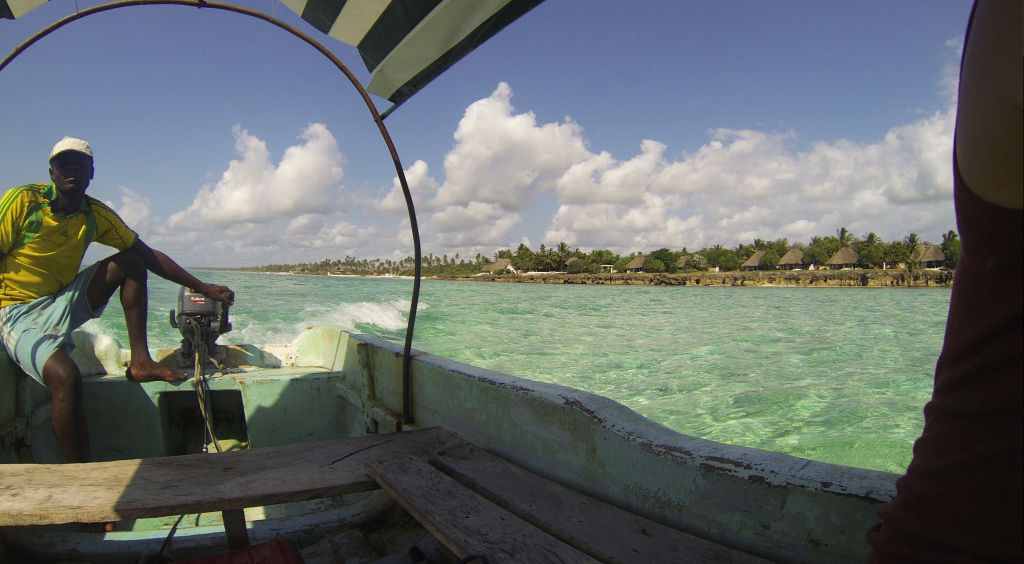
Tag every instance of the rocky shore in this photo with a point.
(821, 278)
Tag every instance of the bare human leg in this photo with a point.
(127, 271)
(67, 415)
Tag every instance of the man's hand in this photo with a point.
(222, 294)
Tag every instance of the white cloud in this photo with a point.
(313, 231)
(253, 235)
(601, 179)
(742, 184)
(634, 228)
(500, 162)
(747, 184)
(134, 209)
(253, 190)
(403, 235)
(259, 213)
(950, 80)
(505, 158)
(473, 225)
(420, 186)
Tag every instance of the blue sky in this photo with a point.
(623, 125)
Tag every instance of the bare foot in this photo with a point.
(151, 371)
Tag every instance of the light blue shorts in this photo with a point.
(35, 330)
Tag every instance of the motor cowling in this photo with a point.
(198, 318)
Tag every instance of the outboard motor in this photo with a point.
(199, 319)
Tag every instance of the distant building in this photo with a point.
(929, 256)
(499, 266)
(636, 265)
(681, 263)
(571, 260)
(845, 257)
(754, 262)
(607, 268)
(792, 260)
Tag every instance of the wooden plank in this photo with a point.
(464, 522)
(45, 494)
(598, 529)
(234, 528)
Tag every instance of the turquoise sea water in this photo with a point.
(832, 374)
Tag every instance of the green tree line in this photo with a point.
(872, 251)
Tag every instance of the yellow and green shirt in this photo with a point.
(42, 251)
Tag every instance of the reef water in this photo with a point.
(835, 374)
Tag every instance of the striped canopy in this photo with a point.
(404, 43)
(10, 9)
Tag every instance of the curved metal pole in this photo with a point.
(407, 354)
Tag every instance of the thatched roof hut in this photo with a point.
(571, 260)
(681, 263)
(497, 266)
(794, 258)
(636, 264)
(845, 257)
(929, 256)
(754, 262)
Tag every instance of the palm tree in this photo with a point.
(563, 253)
(951, 248)
(913, 244)
(845, 237)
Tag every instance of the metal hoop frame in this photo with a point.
(407, 353)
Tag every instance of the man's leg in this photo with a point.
(67, 414)
(127, 270)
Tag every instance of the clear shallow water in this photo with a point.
(832, 374)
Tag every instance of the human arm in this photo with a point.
(990, 108)
(164, 267)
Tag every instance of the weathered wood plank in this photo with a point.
(463, 521)
(43, 494)
(602, 531)
(234, 528)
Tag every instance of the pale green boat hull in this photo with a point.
(334, 383)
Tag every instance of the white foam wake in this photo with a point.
(385, 316)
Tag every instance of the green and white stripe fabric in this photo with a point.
(407, 43)
(404, 43)
(11, 9)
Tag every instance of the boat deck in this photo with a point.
(475, 503)
(251, 406)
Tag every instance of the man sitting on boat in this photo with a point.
(44, 232)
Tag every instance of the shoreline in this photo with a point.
(756, 279)
(804, 278)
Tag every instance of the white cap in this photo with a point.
(71, 144)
